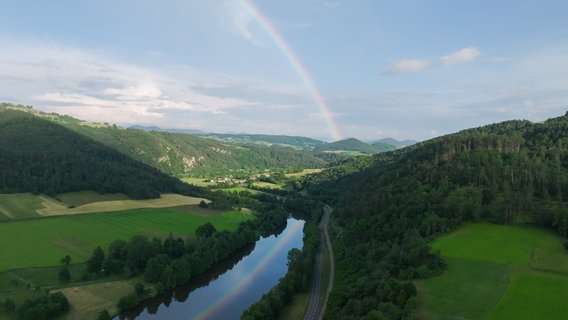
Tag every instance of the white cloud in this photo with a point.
(407, 65)
(143, 90)
(412, 65)
(460, 56)
(240, 20)
(95, 87)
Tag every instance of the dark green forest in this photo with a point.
(389, 206)
(39, 156)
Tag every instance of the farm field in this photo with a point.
(497, 272)
(43, 242)
(27, 205)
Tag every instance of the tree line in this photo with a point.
(171, 262)
(300, 264)
(390, 205)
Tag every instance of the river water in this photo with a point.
(230, 288)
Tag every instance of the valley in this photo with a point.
(466, 225)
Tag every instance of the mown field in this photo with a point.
(27, 205)
(42, 242)
(497, 272)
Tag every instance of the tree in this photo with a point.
(139, 289)
(66, 260)
(128, 302)
(104, 315)
(9, 305)
(95, 262)
(206, 230)
(64, 275)
(153, 270)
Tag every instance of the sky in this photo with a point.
(325, 69)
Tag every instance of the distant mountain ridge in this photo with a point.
(296, 142)
(180, 154)
(355, 145)
(394, 142)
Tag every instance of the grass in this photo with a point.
(305, 172)
(533, 296)
(20, 205)
(84, 197)
(201, 182)
(88, 300)
(42, 242)
(267, 185)
(165, 201)
(296, 309)
(26, 205)
(462, 292)
(497, 272)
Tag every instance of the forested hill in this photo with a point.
(39, 156)
(186, 155)
(355, 145)
(391, 204)
(301, 143)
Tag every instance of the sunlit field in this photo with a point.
(43, 242)
(27, 205)
(497, 272)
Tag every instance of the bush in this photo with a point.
(128, 302)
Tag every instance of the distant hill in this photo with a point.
(180, 154)
(40, 156)
(394, 142)
(301, 143)
(355, 145)
(154, 128)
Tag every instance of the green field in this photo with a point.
(27, 205)
(18, 206)
(497, 272)
(42, 242)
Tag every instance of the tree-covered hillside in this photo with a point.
(352, 144)
(187, 155)
(391, 204)
(40, 156)
(300, 143)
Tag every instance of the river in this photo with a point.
(227, 290)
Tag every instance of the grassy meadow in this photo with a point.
(42, 242)
(497, 272)
(27, 205)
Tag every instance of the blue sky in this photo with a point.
(327, 69)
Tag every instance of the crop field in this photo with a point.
(80, 198)
(27, 205)
(43, 242)
(497, 272)
(201, 182)
(305, 172)
(20, 205)
(267, 185)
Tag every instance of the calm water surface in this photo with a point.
(226, 292)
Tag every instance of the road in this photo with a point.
(315, 310)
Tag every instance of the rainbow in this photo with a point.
(246, 280)
(295, 61)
